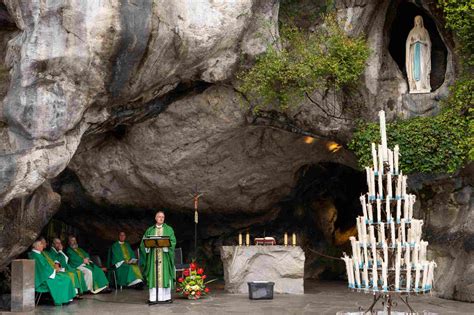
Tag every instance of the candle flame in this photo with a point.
(333, 146)
(308, 140)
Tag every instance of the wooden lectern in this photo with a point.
(154, 243)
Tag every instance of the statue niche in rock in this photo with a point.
(418, 58)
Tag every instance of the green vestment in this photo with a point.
(60, 287)
(79, 276)
(167, 272)
(76, 258)
(126, 273)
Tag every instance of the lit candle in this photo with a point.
(293, 242)
(395, 158)
(374, 157)
(425, 275)
(397, 276)
(417, 277)
(399, 210)
(240, 239)
(392, 230)
(247, 239)
(379, 210)
(390, 159)
(285, 239)
(389, 185)
(370, 212)
(387, 210)
(365, 276)
(364, 205)
(374, 276)
(382, 233)
(383, 133)
(384, 276)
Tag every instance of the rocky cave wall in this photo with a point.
(124, 108)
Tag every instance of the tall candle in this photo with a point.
(389, 185)
(417, 277)
(432, 265)
(387, 210)
(406, 204)
(365, 276)
(383, 133)
(359, 229)
(364, 230)
(374, 276)
(382, 233)
(240, 239)
(351, 267)
(395, 157)
(247, 239)
(357, 274)
(399, 210)
(425, 275)
(412, 203)
(381, 168)
(285, 239)
(346, 261)
(373, 182)
(366, 254)
(293, 239)
(392, 230)
(416, 250)
(404, 186)
(402, 228)
(379, 210)
(408, 279)
(423, 246)
(380, 180)
(385, 253)
(390, 159)
(369, 180)
(384, 276)
(364, 205)
(399, 253)
(407, 257)
(370, 212)
(398, 191)
(374, 157)
(354, 248)
(397, 276)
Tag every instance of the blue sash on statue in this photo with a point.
(417, 62)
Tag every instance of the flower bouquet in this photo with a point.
(192, 284)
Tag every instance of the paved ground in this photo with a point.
(320, 298)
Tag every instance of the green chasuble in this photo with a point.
(167, 271)
(126, 273)
(79, 276)
(76, 258)
(60, 287)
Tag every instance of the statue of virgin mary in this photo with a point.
(418, 58)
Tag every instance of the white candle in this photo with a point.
(423, 246)
(406, 204)
(366, 254)
(385, 253)
(359, 257)
(408, 279)
(387, 210)
(392, 230)
(365, 276)
(370, 212)
(407, 258)
(364, 230)
(351, 272)
(371, 234)
(416, 250)
(346, 261)
(285, 239)
(374, 276)
(383, 133)
(402, 228)
(409, 235)
(412, 203)
(404, 186)
(357, 274)
(374, 157)
(369, 180)
(382, 233)
(354, 248)
(381, 166)
(390, 159)
(399, 209)
(364, 205)
(380, 192)
(359, 229)
(395, 157)
(373, 182)
(240, 239)
(293, 239)
(397, 276)
(431, 273)
(379, 210)
(425, 275)
(389, 186)
(398, 191)
(417, 277)
(247, 239)
(384, 275)
(399, 253)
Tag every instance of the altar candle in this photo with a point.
(395, 157)
(417, 277)
(398, 190)
(399, 209)
(389, 185)
(402, 228)
(392, 230)
(384, 275)
(365, 276)
(240, 239)
(247, 239)
(385, 253)
(379, 210)
(397, 276)
(374, 157)
(382, 233)
(285, 239)
(364, 205)
(383, 133)
(381, 168)
(370, 212)
(387, 210)
(425, 275)
(390, 159)
(408, 280)
(374, 276)
(380, 186)
(293, 239)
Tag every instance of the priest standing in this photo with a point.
(80, 259)
(166, 272)
(122, 257)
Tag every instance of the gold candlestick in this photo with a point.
(293, 240)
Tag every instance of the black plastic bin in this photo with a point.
(261, 290)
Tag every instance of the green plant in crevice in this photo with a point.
(325, 59)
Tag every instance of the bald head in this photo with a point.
(160, 217)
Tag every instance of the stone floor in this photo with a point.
(320, 298)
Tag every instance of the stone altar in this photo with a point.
(283, 265)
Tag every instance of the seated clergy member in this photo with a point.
(59, 285)
(55, 264)
(80, 259)
(56, 253)
(125, 262)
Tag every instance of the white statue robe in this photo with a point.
(418, 58)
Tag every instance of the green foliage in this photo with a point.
(459, 16)
(439, 144)
(327, 58)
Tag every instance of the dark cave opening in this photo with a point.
(402, 23)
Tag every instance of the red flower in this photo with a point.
(178, 289)
(203, 277)
(186, 272)
(200, 271)
(180, 279)
(186, 293)
(192, 266)
(206, 290)
(198, 293)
